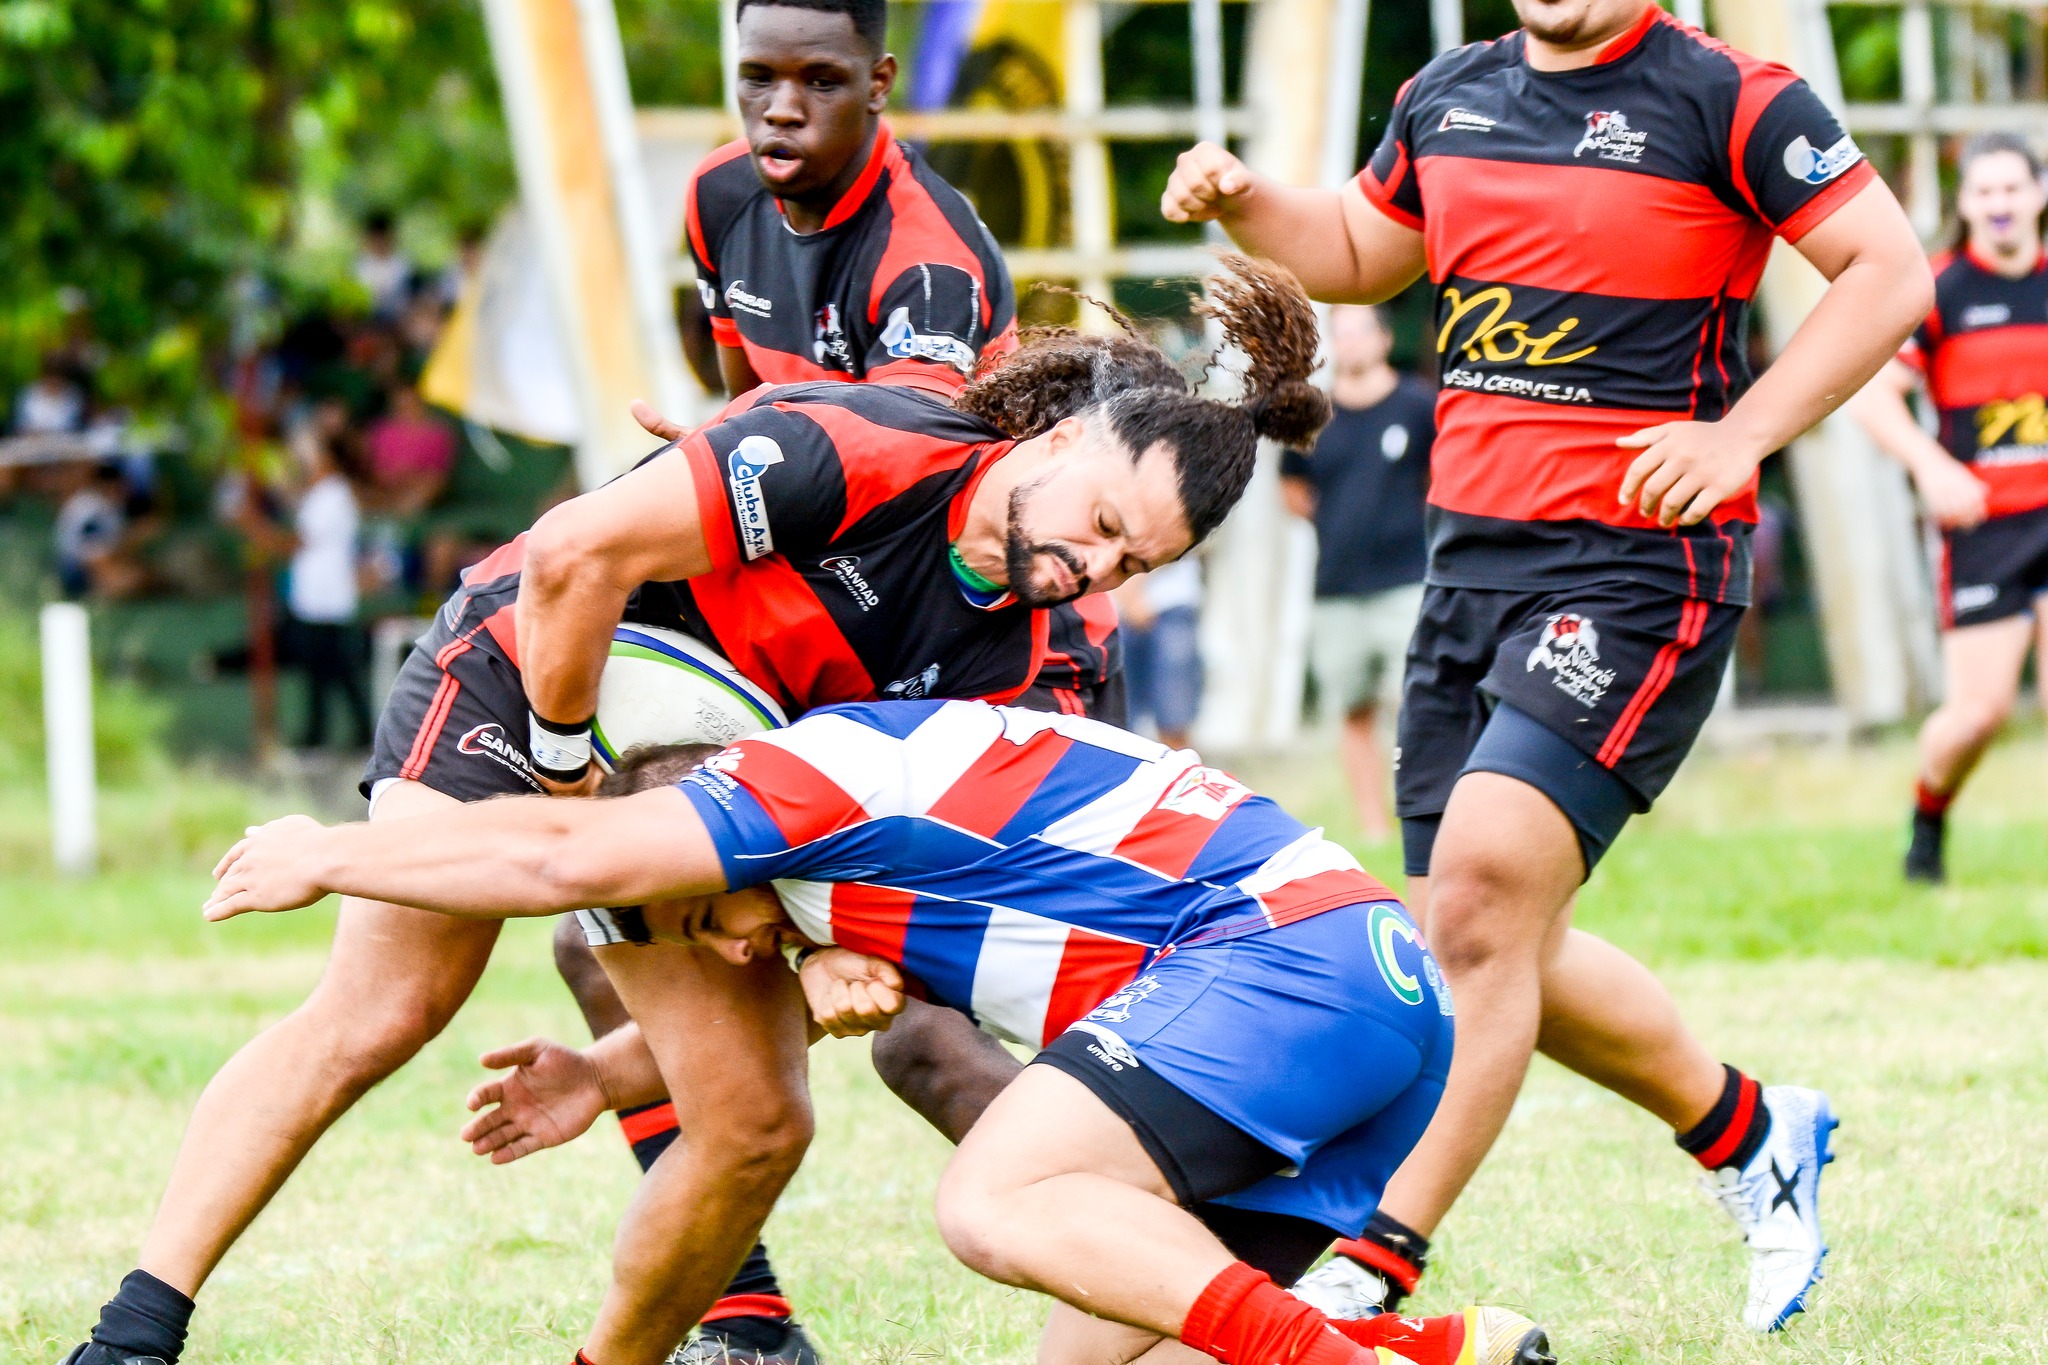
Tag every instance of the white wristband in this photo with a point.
(555, 752)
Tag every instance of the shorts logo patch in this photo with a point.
(846, 568)
(1112, 1051)
(1804, 161)
(1607, 132)
(1117, 1009)
(905, 342)
(749, 460)
(1384, 927)
(489, 740)
(1205, 793)
(1570, 649)
(1972, 598)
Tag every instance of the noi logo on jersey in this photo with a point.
(1803, 161)
(1205, 793)
(749, 460)
(1607, 132)
(828, 341)
(1570, 648)
(916, 685)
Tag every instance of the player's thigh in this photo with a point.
(1045, 1124)
(1507, 862)
(1450, 649)
(1982, 664)
(394, 968)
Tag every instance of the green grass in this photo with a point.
(1764, 889)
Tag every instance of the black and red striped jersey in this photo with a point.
(1984, 350)
(902, 284)
(829, 510)
(1595, 237)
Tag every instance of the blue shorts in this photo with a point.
(1323, 1043)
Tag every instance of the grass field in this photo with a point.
(1765, 889)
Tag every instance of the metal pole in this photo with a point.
(1447, 23)
(1349, 26)
(67, 736)
(1693, 12)
(1093, 213)
(1923, 153)
(1205, 31)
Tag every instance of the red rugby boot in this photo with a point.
(1477, 1336)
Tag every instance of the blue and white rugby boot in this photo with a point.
(1775, 1200)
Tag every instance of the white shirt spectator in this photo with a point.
(49, 406)
(323, 574)
(385, 275)
(88, 524)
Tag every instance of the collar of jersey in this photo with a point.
(862, 189)
(1970, 254)
(978, 591)
(1615, 50)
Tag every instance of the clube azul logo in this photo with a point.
(1804, 161)
(905, 342)
(751, 458)
(1383, 927)
(1570, 648)
(1607, 132)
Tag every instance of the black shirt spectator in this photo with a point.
(1370, 470)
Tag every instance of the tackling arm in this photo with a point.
(507, 859)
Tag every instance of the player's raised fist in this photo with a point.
(851, 993)
(1207, 182)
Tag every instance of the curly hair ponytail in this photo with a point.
(1058, 373)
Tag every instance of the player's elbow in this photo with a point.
(568, 548)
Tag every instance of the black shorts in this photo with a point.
(456, 721)
(1624, 674)
(1203, 1157)
(1994, 570)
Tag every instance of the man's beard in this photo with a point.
(1020, 558)
(1565, 31)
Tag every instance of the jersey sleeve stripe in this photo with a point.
(871, 919)
(714, 514)
(1381, 196)
(881, 462)
(726, 332)
(1092, 969)
(1822, 206)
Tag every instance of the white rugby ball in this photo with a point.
(662, 687)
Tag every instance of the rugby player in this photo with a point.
(1983, 355)
(825, 250)
(1593, 197)
(741, 536)
(1177, 945)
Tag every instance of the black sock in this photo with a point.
(649, 1129)
(146, 1317)
(751, 1312)
(1733, 1129)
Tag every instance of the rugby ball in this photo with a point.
(662, 687)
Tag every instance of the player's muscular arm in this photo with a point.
(737, 371)
(583, 559)
(1879, 290)
(1954, 496)
(1341, 248)
(506, 859)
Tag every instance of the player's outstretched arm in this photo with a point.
(553, 1093)
(1341, 248)
(1954, 496)
(1880, 288)
(504, 859)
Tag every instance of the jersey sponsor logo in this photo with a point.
(1117, 1009)
(1383, 928)
(1109, 1049)
(1986, 315)
(1803, 161)
(489, 740)
(1517, 387)
(749, 460)
(1456, 120)
(1496, 337)
(905, 342)
(1438, 985)
(1607, 132)
(916, 685)
(707, 294)
(1205, 793)
(1570, 648)
(2025, 419)
(846, 568)
(828, 338)
(736, 296)
(1973, 597)
(1394, 442)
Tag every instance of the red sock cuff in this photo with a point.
(1930, 802)
(641, 1124)
(749, 1306)
(1243, 1318)
(582, 1359)
(1391, 1264)
(1218, 1303)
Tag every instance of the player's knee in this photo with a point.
(1475, 919)
(902, 1056)
(1983, 717)
(756, 1144)
(970, 1212)
(363, 1041)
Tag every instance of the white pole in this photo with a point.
(1447, 23)
(1205, 28)
(67, 730)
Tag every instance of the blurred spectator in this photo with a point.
(323, 592)
(94, 551)
(51, 404)
(411, 454)
(1364, 487)
(382, 269)
(1161, 614)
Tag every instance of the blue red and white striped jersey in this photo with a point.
(1020, 865)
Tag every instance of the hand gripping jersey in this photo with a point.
(1595, 237)
(1021, 865)
(1984, 350)
(829, 510)
(903, 283)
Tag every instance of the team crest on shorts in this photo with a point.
(1117, 1009)
(1570, 649)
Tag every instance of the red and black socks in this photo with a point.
(1930, 804)
(649, 1129)
(1734, 1129)
(1243, 1318)
(146, 1317)
(1392, 1250)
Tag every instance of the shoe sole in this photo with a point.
(1824, 1125)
